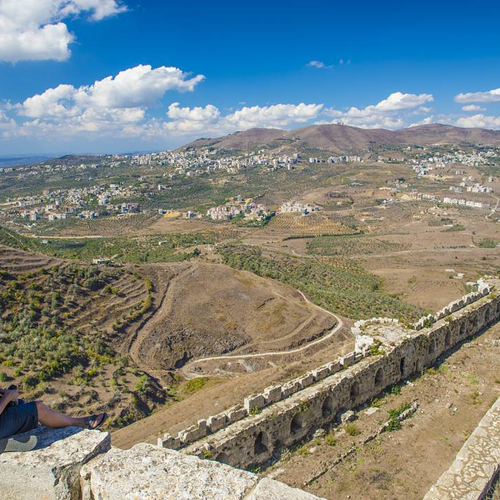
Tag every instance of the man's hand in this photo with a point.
(11, 395)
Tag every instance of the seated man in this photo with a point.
(17, 416)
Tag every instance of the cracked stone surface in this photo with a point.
(51, 471)
(148, 472)
(475, 464)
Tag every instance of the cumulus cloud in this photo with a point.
(191, 120)
(34, 29)
(472, 107)
(210, 120)
(107, 104)
(488, 96)
(137, 87)
(207, 114)
(117, 106)
(479, 121)
(277, 115)
(388, 113)
(425, 121)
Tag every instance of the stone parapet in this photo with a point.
(51, 471)
(148, 472)
(476, 464)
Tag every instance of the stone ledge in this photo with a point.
(269, 489)
(475, 465)
(148, 472)
(51, 471)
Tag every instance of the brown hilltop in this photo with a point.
(343, 138)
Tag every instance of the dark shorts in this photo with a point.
(17, 419)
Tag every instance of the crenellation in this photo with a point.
(217, 422)
(306, 380)
(257, 401)
(168, 441)
(272, 394)
(236, 415)
(348, 359)
(321, 373)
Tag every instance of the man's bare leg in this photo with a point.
(52, 418)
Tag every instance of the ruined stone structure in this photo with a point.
(284, 415)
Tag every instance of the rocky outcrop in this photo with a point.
(148, 472)
(51, 471)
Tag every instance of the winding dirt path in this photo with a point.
(495, 208)
(186, 369)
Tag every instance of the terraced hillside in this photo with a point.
(58, 325)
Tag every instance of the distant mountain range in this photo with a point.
(343, 138)
(15, 161)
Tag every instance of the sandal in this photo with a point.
(95, 421)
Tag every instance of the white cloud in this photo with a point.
(209, 119)
(319, 65)
(388, 113)
(137, 87)
(395, 102)
(33, 29)
(472, 107)
(425, 121)
(479, 121)
(488, 96)
(191, 120)
(277, 115)
(109, 105)
(117, 106)
(207, 114)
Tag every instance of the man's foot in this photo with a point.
(94, 421)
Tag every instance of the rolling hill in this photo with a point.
(344, 139)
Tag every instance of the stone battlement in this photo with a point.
(284, 414)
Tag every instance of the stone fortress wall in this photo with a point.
(283, 415)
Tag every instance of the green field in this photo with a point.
(124, 249)
(351, 245)
(347, 290)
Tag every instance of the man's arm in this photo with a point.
(7, 397)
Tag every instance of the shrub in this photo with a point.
(195, 384)
(330, 439)
(393, 425)
(255, 410)
(352, 429)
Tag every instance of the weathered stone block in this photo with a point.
(334, 367)
(272, 394)
(255, 401)
(217, 422)
(193, 433)
(236, 415)
(290, 388)
(147, 472)
(51, 471)
(321, 373)
(306, 380)
(168, 441)
(269, 489)
(347, 360)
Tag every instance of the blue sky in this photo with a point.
(113, 76)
